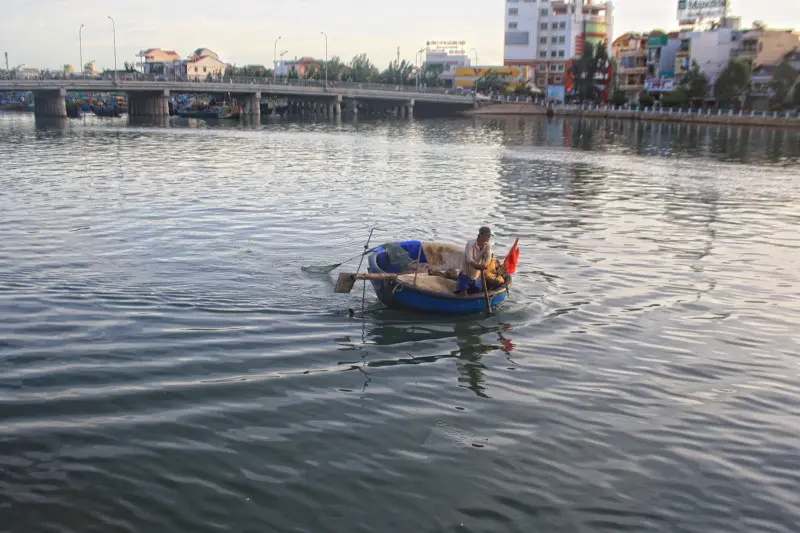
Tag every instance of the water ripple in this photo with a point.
(166, 365)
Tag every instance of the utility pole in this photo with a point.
(326, 59)
(275, 60)
(6, 53)
(398, 55)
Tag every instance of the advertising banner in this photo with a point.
(659, 85)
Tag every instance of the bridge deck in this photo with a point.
(278, 89)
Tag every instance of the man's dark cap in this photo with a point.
(485, 231)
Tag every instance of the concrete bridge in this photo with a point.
(149, 98)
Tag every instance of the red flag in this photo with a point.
(511, 259)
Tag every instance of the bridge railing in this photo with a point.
(240, 80)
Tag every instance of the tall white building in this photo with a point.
(547, 35)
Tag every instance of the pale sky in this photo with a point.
(44, 33)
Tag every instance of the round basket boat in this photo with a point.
(425, 292)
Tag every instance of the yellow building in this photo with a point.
(761, 46)
(466, 76)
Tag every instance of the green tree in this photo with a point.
(362, 70)
(312, 72)
(679, 97)
(336, 69)
(293, 74)
(619, 98)
(397, 73)
(733, 83)
(491, 82)
(431, 74)
(522, 89)
(783, 80)
(589, 72)
(695, 82)
(645, 100)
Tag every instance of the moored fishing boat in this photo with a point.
(102, 110)
(212, 112)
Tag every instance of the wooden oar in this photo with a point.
(347, 280)
(486, 292)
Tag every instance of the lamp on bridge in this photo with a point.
(275, 59)
(114, 28)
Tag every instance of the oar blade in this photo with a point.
(345, 283)
(320, 269)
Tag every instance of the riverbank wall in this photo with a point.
(683, 116)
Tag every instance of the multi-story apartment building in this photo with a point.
(630, 52)
(761, 46)
(547, 35)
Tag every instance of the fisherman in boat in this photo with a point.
(477, 255)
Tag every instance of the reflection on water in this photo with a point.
(166, 364)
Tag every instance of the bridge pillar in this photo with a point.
(410, 109)
(252, 104)
(50, 103)
(355, 107)
(148, 104)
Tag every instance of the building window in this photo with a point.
(553, 54)
(554, 40)
(204, 69)
(542, 40)
(561, 68)
(543, 55)
(513, 11)
(543, 12)
(555, 25)
(543, 26)
(561, 53)
(196, 69)
(512, 25)
(562, 25)
(557, 79)
(542, 67)
(553, 68)
(562, 40)
(540, 82)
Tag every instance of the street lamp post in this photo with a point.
(80, 48)
(275, 59)
(283, 53)
(114, 28)
(326, 59)
(418, 60)
(476, 71)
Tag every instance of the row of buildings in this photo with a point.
(655, 62)
(199, 65)
(547, 35)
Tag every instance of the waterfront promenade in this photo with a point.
(700, 116)
(149, 97)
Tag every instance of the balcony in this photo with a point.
(625, 71)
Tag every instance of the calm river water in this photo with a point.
(166, 366)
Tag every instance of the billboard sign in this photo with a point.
(657, 41)
(691, 12)
(659, 85)
(556, 92)
(452, 47)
